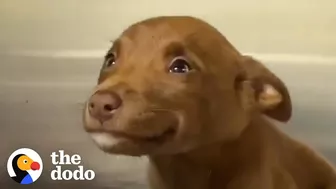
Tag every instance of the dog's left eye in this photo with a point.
(179, 65)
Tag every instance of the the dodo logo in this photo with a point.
(24, 166)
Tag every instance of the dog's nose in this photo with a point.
(102, 105)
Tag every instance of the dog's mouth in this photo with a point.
(131, 134)
(128, 141)
(121, 142)
(157, 138)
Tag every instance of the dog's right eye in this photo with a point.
(109, 60)
(179, 65)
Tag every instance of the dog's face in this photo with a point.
(169, 85)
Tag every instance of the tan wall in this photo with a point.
(262, 26)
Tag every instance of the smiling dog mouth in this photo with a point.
(137, 134)
(158, 138)
(154, 139)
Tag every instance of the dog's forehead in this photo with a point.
(158, 32)
(145, 40)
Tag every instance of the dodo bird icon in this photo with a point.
(24, 166)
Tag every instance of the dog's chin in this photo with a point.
(123, 144)
(112, 145)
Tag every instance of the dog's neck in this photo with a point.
(222, 159)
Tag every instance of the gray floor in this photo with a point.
(41, 101)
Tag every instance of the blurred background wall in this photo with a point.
(259, 26)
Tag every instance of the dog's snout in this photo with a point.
(102, 105)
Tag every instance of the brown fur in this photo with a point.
(204, 129)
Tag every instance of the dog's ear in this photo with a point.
(270, 93)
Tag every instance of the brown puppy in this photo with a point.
(174, 89)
